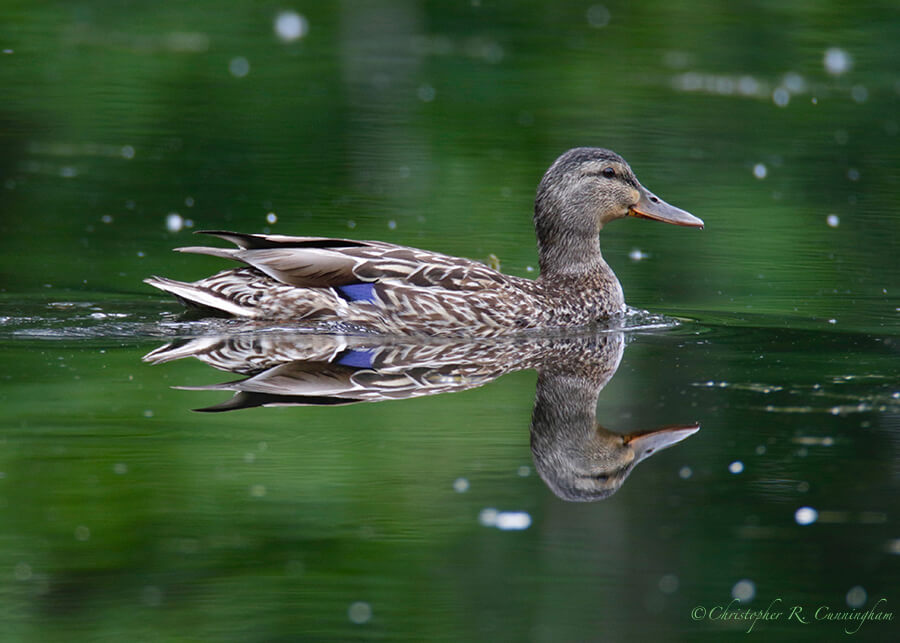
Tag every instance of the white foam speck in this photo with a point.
(239, 67)
(760, 171)
(856, 597)
(174, 222)
(460, 485)
(513, 520)
(806, 516)
(598, 16)
(837, 61)
(359, 612)
(271, 217)
(290, 26)
(426, 93)
(744, 590)
(833, 220)
(736, 467)
(781, 96)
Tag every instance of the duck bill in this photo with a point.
(646, 443)
(651, 206)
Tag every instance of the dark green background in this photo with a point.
(430, 124)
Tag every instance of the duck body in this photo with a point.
(398, 290)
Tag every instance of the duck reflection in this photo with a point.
(576, 457)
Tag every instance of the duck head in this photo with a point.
(584, 189)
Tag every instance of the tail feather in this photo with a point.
(195, 296)
(223, 253)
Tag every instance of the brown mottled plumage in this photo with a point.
(398, 290)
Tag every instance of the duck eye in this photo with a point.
(609, 173)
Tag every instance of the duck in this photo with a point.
(383, 288)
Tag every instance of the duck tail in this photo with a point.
(196, 296)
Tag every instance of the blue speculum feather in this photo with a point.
(357, 358)
(358, 292)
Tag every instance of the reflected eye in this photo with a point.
(609, 173)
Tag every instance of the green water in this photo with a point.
(124, 515)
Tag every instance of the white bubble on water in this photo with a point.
(359, 612)
(598, 16)
(837, 61)
(239, 67)
(781, 97)
(760, 171)
(290, 26)
(833, 220)
(856, 597)
(174, 222)
(806, 516)
(460, 485)
(744, 590)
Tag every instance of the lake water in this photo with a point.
(436, 502)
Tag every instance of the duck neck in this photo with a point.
(568, 242)
(572, 256)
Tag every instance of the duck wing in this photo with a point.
(319, 262)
